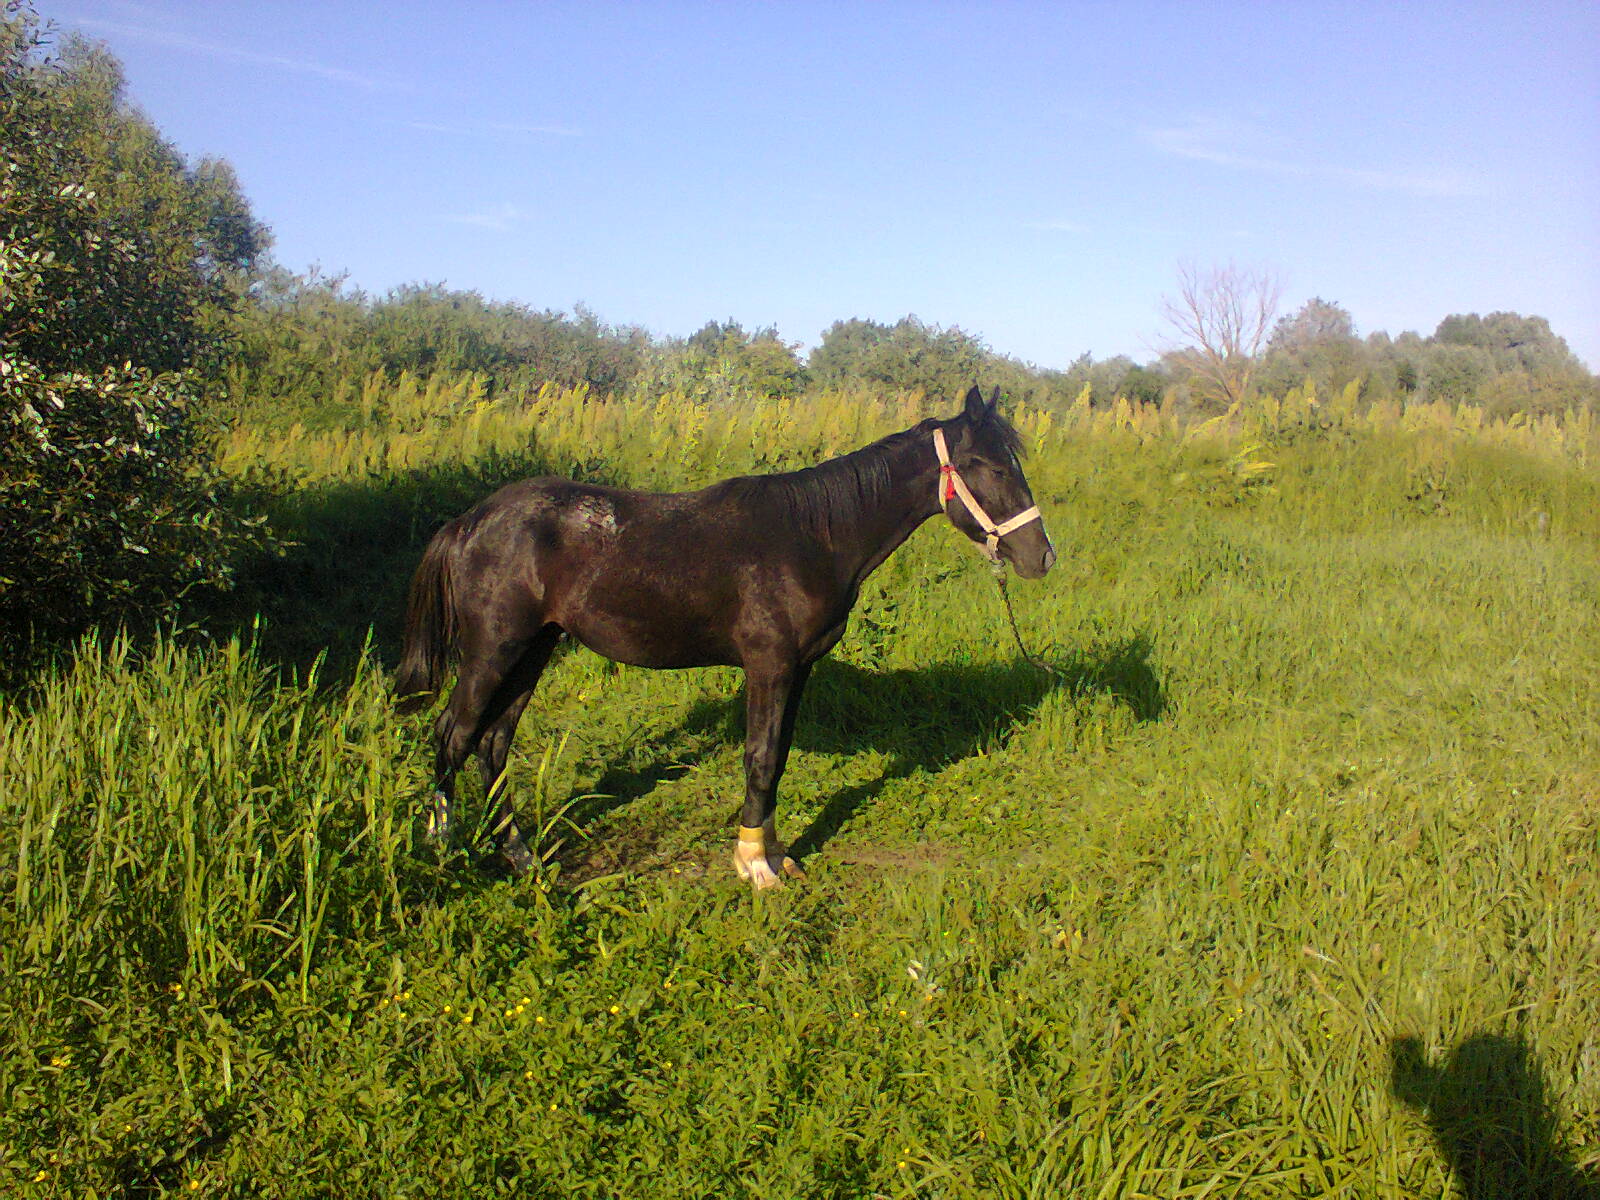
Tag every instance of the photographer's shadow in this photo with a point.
(1486, 1104)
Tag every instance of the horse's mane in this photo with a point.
(840, 490)
(831, 493)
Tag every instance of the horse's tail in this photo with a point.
(431, 625)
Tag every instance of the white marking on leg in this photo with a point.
(750, 859)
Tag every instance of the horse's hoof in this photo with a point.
(792, 869)
(757, 872)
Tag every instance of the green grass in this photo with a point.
(1283, 885)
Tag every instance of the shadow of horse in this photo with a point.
(920, 718)
(1486, 1104)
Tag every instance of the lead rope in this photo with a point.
(998, 570)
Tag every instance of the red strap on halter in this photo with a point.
(949, 473)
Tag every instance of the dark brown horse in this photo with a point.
(758, 572)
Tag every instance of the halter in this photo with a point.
(952, 485)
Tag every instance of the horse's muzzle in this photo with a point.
(1029, 567)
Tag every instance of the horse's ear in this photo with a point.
(994, 401)
(976, 410)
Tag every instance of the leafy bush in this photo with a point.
(109, 502)
(118, 265)
(308, 347)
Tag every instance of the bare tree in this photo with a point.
(1222, 317)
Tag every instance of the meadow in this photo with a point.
(1281, 881)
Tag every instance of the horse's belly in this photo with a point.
(661, 636)
(646, 651)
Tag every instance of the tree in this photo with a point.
(119, 265)
(720, 361)
(1317, 342)
(1140, 384)
(140, 257)
(1456, 371)
(1221, 316)
(1315, 323)
(307, 345)
(1515, 342)
(907, 356)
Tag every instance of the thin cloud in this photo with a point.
(180, 41)
(496, 130)
(143, 12)
(500, 218)
(1232, 144)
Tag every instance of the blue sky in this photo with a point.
(1033, 173)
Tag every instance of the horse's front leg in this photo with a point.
(772, 698)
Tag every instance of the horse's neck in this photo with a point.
(887, 525)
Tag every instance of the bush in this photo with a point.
(118, 265)
(110, 505)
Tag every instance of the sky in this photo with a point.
(1034, 174)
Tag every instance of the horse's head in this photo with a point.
(983, 490)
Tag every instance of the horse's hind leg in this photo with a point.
(441, 822)
(494, 745)
(479, 700)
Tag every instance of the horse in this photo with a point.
(758, 572)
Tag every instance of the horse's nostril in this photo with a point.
(1049, 557)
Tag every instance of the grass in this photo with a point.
(1282, 885)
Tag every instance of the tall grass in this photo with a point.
(676, 438)
(190, 818)
(1283, 884)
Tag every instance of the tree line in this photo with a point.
(307, 345)
(139, 306)
(1230, 340)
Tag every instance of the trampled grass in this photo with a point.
(1282, 885)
